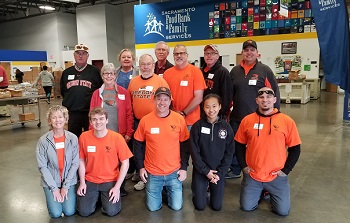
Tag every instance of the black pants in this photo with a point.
(199, 186)
(77, 122)
(47, 90)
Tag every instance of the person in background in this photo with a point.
(104, 161)
(58, 162)
(78, 82)
(217, 79)
(187, 84)
(212, 147)
(142, 89)
(268, 147)
(19, 76)
(247, 78)
(46, 81)
(164, 160)
(161, 51)
(3, 78)
(126, 71)
(117, 103)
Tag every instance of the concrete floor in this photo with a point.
(320, 182)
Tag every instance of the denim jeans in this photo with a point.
(279, 190)
(56, 208)
(154, 188)
(86, 205)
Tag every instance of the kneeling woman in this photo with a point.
(212, 147)
(58, 162)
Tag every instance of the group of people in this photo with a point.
(147, 122)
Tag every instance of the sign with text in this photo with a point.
(171, 21)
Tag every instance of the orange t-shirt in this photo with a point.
(246, 67)
(59, 144)
(142, 94)
(266, 152)
(182, 85)
(163, 137)
(102, 155)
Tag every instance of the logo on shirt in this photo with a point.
(275, 127)
(173, 127)
(255, 77)
(222, 133)
(108, 149)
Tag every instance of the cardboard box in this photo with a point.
(26, 117)
(331, 87)
(16, 93)
(293, 75)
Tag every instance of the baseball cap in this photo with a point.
(213, 46)
(249, 42)
(82, 47)
(163, 90)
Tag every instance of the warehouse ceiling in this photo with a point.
(20, 9)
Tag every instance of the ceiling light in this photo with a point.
(46, 7)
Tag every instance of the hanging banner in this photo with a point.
(332, 26)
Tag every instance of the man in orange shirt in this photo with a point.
(104, 162)
(187, 85)
(142, 89)
(164, 160)
(261, 142)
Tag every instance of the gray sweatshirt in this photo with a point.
(45, 77)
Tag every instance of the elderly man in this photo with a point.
(187, 84)
(247, 78)
(142, 89)
(164, 160)
(161, 51)
(261, 142)
(217, 78)
(78, 82)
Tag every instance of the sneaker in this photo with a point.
(123, 192)
(128, 176)
(140, 185)
(231, 175)
(136, 178)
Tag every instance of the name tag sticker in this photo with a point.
(257, 126)
(91, 149)
(252, 82)
(130, 76)
(160, 75)
(205, 130)
(184, 83)
(154, 130)
(71, 77)
(121, 96)
(210, 76)
(60, 145)
(149, 88)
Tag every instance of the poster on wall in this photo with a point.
(284, 64)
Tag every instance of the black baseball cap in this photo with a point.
(163, 90)
(249, 42)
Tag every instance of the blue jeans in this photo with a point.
(279, 190)
(235, 168)
(56, 208)
(87, 204)
(154, 187)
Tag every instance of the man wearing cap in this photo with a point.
(261, 142)
(247, 78)
(164, 160)
(217, 78)
(78, 82)
(161, 51)
(187, 85)
(142, 89)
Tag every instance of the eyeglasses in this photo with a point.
(146, 64)
(179, 54)
(266, 92)
(106, 74)
(210, 54)
(81, 47)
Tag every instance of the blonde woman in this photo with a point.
(58, 162)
